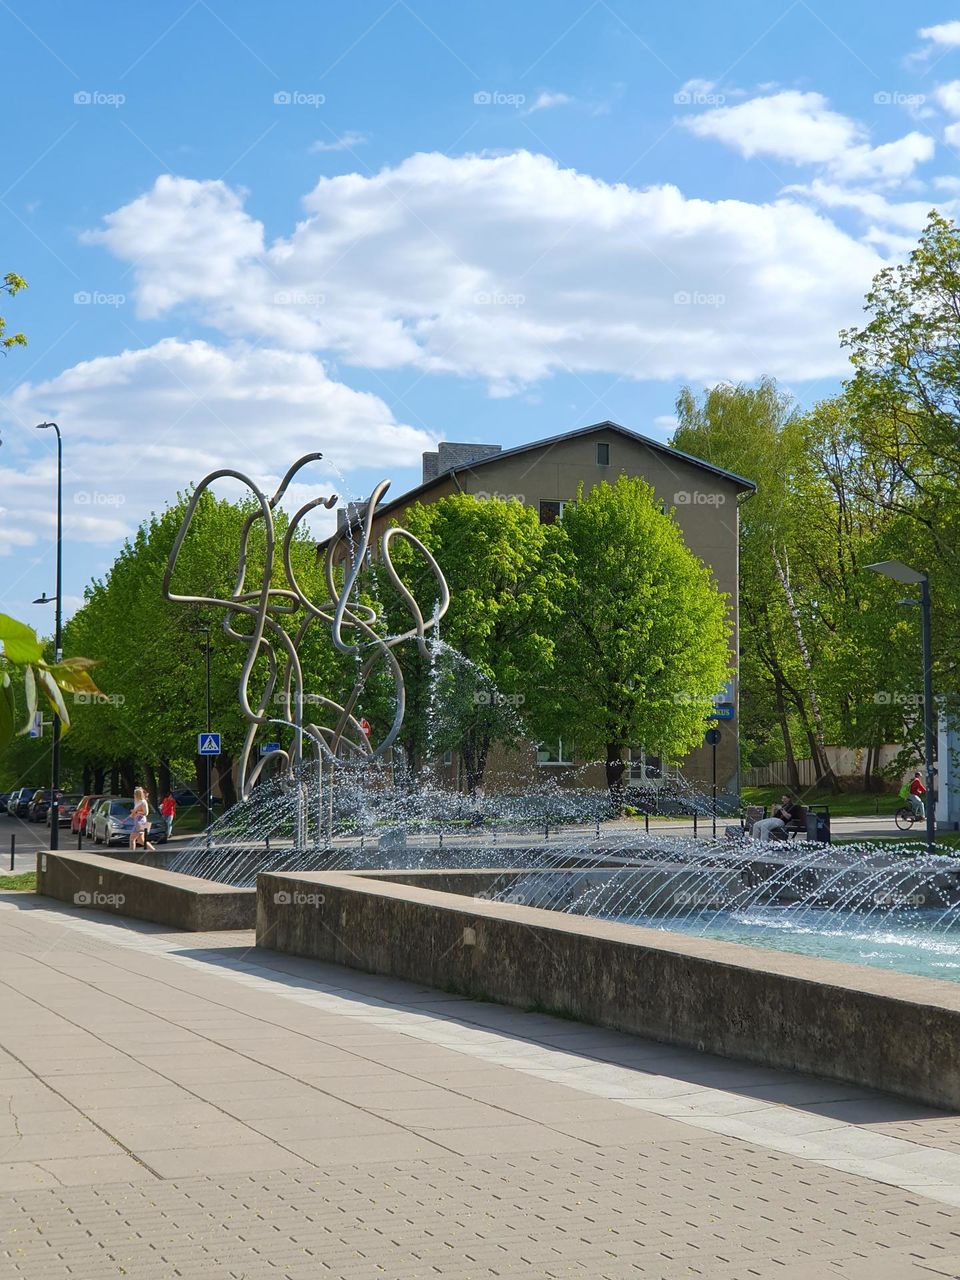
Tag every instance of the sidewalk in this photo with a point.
(182, 1106)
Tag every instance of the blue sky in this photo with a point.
(251, 231)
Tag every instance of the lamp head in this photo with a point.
(897, 570)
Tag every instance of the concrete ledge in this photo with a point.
(865, 1026)
(144, 893)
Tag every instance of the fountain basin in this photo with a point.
(879, 1029)
(124, 888)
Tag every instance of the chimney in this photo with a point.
(452, 455)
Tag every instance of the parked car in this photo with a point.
(78, 819)
(39, 804)
(4, 797)
(11, 805)
(21, 805)
(66, 808)
(112, 821)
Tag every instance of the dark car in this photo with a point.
(39, 805)
(4, 797)
(21, 808)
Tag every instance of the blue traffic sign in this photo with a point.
(268, 748)
(208, 744)
(722, 711)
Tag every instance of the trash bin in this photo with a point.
(818, 827)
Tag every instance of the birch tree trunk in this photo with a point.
(823, 764)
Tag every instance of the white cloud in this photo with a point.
(948, 96)
(213, 236)
(145, 423)
(946, 34)
(790, 125)
(951, 134)
(802, 129)
(346, 142)
(510, 268)
(910, 215)
(545, 100)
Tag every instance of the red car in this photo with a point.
(78, 819)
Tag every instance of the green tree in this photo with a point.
(904, 405)
(641, 639)
(757, 432)
(502, 568)
(11, 285)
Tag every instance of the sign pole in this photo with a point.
(713, 737)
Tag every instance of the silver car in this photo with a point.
(110, 820)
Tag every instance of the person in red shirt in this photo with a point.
(917, 792)
(168, 807)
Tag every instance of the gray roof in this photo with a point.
(412, 495)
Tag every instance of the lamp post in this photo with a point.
(901, 572)
(57, 644)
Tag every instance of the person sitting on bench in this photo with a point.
(787, 816)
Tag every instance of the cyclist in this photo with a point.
(916, 792)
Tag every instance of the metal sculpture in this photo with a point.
(279, 646)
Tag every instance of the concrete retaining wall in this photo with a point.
(870, 1027)
(144, 893)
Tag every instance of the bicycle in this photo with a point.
(906, 816)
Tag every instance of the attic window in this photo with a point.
(603, 454)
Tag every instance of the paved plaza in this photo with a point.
(184, 1106)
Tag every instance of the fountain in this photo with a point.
(529, 897)
(334, 801)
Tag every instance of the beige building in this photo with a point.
(547, 474)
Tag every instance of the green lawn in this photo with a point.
(26, 882)
(190, 820)
(846, 804)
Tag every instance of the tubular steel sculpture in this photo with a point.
(280, 647)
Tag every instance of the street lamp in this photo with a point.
(901, 572)
(57, 642)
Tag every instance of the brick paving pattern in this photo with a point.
(178, 1106)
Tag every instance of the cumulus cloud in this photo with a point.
(948, 96)
(801, 129)
(145, 423)
(945, 34)
(509, 268)
(213, 237)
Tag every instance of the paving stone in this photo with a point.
(278, 1160)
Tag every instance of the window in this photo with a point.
(603, 454)
(645, 767)
(551, 512)
(556, 752)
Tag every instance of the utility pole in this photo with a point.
(54, 811)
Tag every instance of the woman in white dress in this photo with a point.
(141, 820)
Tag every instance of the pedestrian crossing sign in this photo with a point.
(208, 744)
